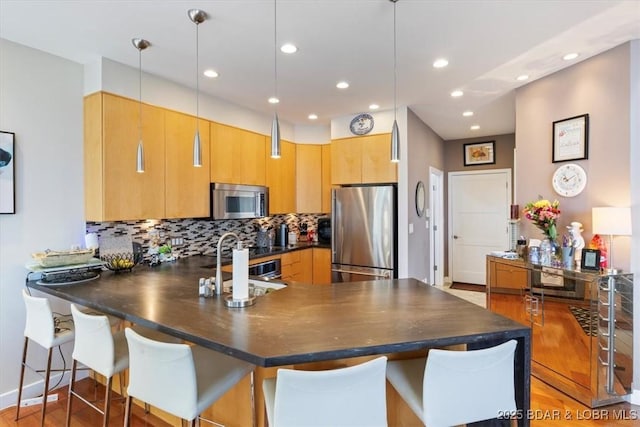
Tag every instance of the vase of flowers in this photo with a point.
(544, 215)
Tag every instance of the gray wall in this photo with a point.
(607, 87)
(425, 149)
(41, 101)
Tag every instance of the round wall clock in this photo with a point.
(569, 180)
(361, 124)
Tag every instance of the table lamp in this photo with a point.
(612, 222)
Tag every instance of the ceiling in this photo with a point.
(487, 43)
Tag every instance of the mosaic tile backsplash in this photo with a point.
(200, 236)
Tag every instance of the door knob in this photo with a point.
(455, 237)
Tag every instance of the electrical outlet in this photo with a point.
(38, 400)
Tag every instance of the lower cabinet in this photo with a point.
(581, 326)
(321, 266)
(297, 266)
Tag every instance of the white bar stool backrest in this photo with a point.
(466, 386)
(39, 325)
(352, 396)
(163, 375)
(94, 346)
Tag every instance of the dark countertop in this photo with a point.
(346, 319)
(301, 323)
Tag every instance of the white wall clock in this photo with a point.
(569, 180)
(361, 124)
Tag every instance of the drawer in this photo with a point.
(508, 276)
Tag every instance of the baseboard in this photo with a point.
(634, 397)
(34, 389)
(447, 280)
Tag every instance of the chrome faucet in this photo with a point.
(219, 284)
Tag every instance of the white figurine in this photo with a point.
(575, 230)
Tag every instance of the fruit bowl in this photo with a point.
(121, 261)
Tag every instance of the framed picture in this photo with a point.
(590, 259)
(480, 153)
(7, 173)
(571, 139)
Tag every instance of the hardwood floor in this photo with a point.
(548, 407)
(82, 415)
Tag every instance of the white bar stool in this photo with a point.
(100, 350)
(457, 387)
(352, 396)
(41, 327)
(179, 379)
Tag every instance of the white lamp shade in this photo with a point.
(611, 221)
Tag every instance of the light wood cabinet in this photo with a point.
(113, 189)
(186, 186)
(362, 159)
(506, 275)
(237, 156)
(281, 179)
(376, 159)
(297, 266)
(346, 161)
(326, 178)
(321, 266)
(308, 178)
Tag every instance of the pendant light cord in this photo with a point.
(395, 68)
(140, 93)
(275, 51)
(197, 79)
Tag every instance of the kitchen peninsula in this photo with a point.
(302, 323)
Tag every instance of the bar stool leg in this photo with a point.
(107, 402)
(127, 411)
(24, 361)
(45, 392)
(70, 397)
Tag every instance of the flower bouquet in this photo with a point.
(544, 215)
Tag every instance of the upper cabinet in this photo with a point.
(237, 156)
(186, 186)
(281, 178)
(113, 189)
(308, 178)
(362, 160)
(170, 187)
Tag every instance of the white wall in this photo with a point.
(41, 101)
(120, 79)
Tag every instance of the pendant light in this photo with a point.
(140, 44)
(197, 16)
(275, 126)
(395, 134)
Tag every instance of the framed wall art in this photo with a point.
(571, 139)
(479, 153)
(7, 173)
(590, 259)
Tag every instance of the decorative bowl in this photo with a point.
(51, 258)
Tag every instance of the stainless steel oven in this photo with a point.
(231, 201)
(266, 270)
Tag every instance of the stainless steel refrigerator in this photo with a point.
(363, 233)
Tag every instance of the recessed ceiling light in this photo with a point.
(475, 127)
(457, 93)
(313, 116)
(342, 85)
(468, 113)
(288, 48)
(273, 100)
(440, 63)
(570, 56)
(374, 106)
(210, 73)
(522, 77)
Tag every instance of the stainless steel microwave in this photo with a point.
(232, 201)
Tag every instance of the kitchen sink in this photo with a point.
(256, 287)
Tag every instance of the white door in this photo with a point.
(478, 221)
(436, 220)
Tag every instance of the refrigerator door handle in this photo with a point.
(386, 274)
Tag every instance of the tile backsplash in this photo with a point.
(199, 236)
